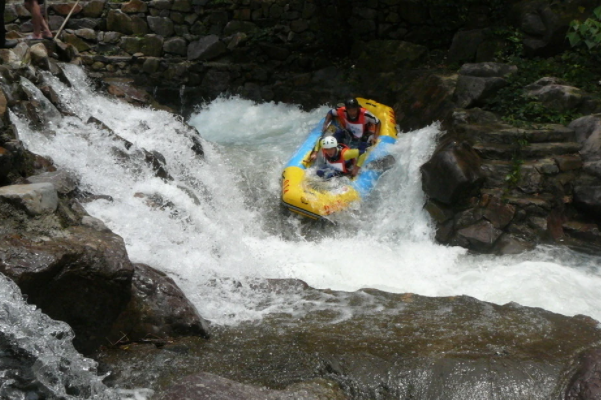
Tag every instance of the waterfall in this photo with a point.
(217, 228)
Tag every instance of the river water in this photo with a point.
(217, 228)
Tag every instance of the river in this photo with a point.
(218, 227)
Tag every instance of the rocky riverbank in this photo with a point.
(492, 187)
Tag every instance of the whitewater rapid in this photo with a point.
(218, 227)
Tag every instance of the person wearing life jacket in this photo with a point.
(360, 125)
(360, 128)
(339, 158)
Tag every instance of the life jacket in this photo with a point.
(338, 162)
(357, 127)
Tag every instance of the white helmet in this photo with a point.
(329, 142)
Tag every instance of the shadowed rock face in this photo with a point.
(385, 346)
(82, 279)
(452, 174)
(157, 309)
(586, 382)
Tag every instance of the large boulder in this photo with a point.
(206, 48)
(555, 95)
(453, 173)
(157, 309)
(424, 98)
(82, 278)
(587, 130)
(588, 199)
(478, 82)
(35, 198)
(586, 382)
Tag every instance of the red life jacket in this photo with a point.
(338, 162)
(356, 127)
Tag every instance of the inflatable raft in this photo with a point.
(303, 193)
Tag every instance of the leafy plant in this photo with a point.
(518, 109)
(514, 176)
(512, 43)
(587, 33)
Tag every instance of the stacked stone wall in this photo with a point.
(218, 46)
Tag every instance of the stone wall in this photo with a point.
(260, 49)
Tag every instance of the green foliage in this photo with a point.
(520, 110)
(511, 43)
(514, 176)
(587, 34)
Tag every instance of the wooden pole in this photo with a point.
(65, 21)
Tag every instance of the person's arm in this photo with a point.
(317, 146)
(376, 132)
(327, 121)
(355, 153)
(375, 122)
(315, 150)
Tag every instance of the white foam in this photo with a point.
(237, 234)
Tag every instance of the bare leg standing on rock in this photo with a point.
(40, 26)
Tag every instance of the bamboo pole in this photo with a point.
(65, 21)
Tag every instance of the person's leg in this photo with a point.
(36, 17)
(46, 32)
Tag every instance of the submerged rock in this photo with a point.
(378, 345)
(209, 386)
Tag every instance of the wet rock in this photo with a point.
(582, 230)
(511, 244)
(586, 382)
(413, 347)
(82, 278)
(210, 386)
(481, 235)
(453, 173)
(497, 212)
(438, 211)
(588, 199)
(36, 198)
(158, 309)
(62, 180)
